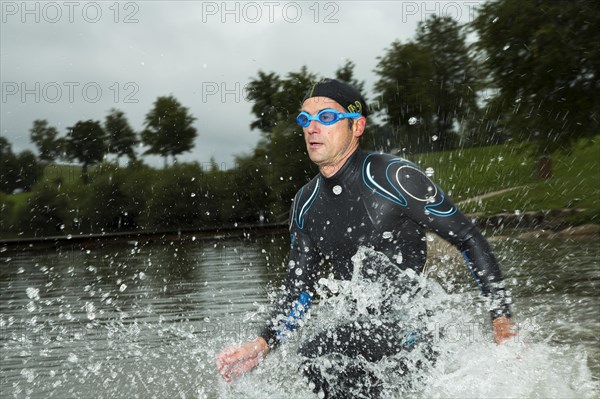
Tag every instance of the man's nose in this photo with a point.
(313, 127)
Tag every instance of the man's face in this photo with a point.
(328, 145)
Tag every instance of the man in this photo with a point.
(360, 199)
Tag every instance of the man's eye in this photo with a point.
(327, 116)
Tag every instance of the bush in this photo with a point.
(178, 199)
(44, 211)
(105, 206)
(7, 213)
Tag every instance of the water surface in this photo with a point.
(132, 320)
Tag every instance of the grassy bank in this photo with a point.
(575, 181)
(53, 174)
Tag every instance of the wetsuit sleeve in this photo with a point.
(297, 290)
(426, 204)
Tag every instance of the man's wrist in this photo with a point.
(261, 345)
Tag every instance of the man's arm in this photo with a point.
(426, 204)
(297, 292)
(288, 310)
(481, 262)
(484, 268)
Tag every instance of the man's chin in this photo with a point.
(314, 155)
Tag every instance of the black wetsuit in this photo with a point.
(386, 203)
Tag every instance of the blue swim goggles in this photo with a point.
(327, 117)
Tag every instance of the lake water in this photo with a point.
(142, 321)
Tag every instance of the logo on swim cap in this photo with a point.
(355, 107)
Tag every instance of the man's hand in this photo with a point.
(504, 329)
(237, 360)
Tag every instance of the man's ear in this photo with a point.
(358, 127)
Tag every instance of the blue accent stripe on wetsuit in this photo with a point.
(300, 216)
(382, 191)
(298, 311)
(387, 176)
(464, 254)
(451, 212)
(409, 339)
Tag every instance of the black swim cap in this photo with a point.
(341, 92)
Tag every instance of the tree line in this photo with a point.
(531, 76)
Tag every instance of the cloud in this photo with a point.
(71, 61)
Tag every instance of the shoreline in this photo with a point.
(538, 224)
(553, 219)
(88, 241)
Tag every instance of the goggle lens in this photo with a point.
(327, 117)
(302, 119)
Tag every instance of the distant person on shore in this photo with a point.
(360, 199)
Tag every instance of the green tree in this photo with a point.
(293, 89)
(251, 190)
(405, 73)
(137, 185)
(5, 147)
(17, 171)
(29, 170)
(105, 205)
(264, 92)
(179, 199)
(169, 129)
(121, 137)
(455, 79)
(346, 73)
(276, 99)
(281, 150)
(50, 146)
(544, 61)
(428, 86)
(9, 170)
(44, 211)
(86, 143)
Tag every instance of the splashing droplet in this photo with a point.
(33, 293)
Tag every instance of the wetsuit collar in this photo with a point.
(347, 171)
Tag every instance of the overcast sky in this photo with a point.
(70, 61)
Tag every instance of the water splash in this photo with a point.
(467, 363)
